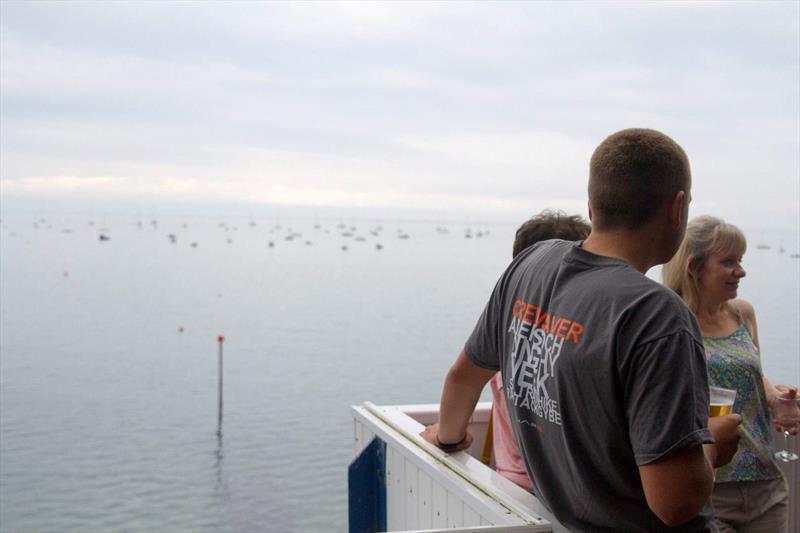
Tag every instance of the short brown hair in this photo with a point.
(631, 174)
(550, 225)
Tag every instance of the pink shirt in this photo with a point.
(507, 459)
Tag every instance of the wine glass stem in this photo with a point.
(786, 440)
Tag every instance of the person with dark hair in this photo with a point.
(605, 371)
(546, 225)
(549, 225)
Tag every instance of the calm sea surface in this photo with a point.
(108, 411)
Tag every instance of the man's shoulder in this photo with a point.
(540, 258)
(545, 250)
(640, 308)
(659, 312)
(666, 299)
(626, 282)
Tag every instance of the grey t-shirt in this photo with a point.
(604, 370)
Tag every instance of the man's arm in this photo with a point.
(462, 389)
(678, 486)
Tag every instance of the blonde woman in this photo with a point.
(750, 493)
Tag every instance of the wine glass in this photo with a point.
(786, 414)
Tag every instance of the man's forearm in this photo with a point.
(461, 391)
(458, 403)
(710, 452)
(678, 486)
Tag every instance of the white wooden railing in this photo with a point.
(428, 490)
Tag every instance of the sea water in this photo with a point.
(109, 354)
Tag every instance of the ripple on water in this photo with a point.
(108, 414)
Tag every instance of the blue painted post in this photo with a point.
(366, 482)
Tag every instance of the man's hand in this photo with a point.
(725, 430)
(431, 433)
(461, 391)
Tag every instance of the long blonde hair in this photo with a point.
(704, 236)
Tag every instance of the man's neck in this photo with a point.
(639, 248)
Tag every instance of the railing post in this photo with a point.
(366, 484)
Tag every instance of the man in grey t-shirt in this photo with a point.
(603, 368)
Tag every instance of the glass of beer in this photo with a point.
(721, 401)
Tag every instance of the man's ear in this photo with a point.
(589, 206)
(675, 209)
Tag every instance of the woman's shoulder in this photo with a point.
(747, 314)
(744, 309)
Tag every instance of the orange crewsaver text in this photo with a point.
(561, 327)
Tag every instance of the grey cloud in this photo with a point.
(328, 95)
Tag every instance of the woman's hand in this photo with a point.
(786, 391)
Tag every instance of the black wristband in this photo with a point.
(449, 448)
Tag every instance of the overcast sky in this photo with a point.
(489, 108)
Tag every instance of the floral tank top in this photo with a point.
(733, 363)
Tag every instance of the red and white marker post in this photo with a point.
(220, 340)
